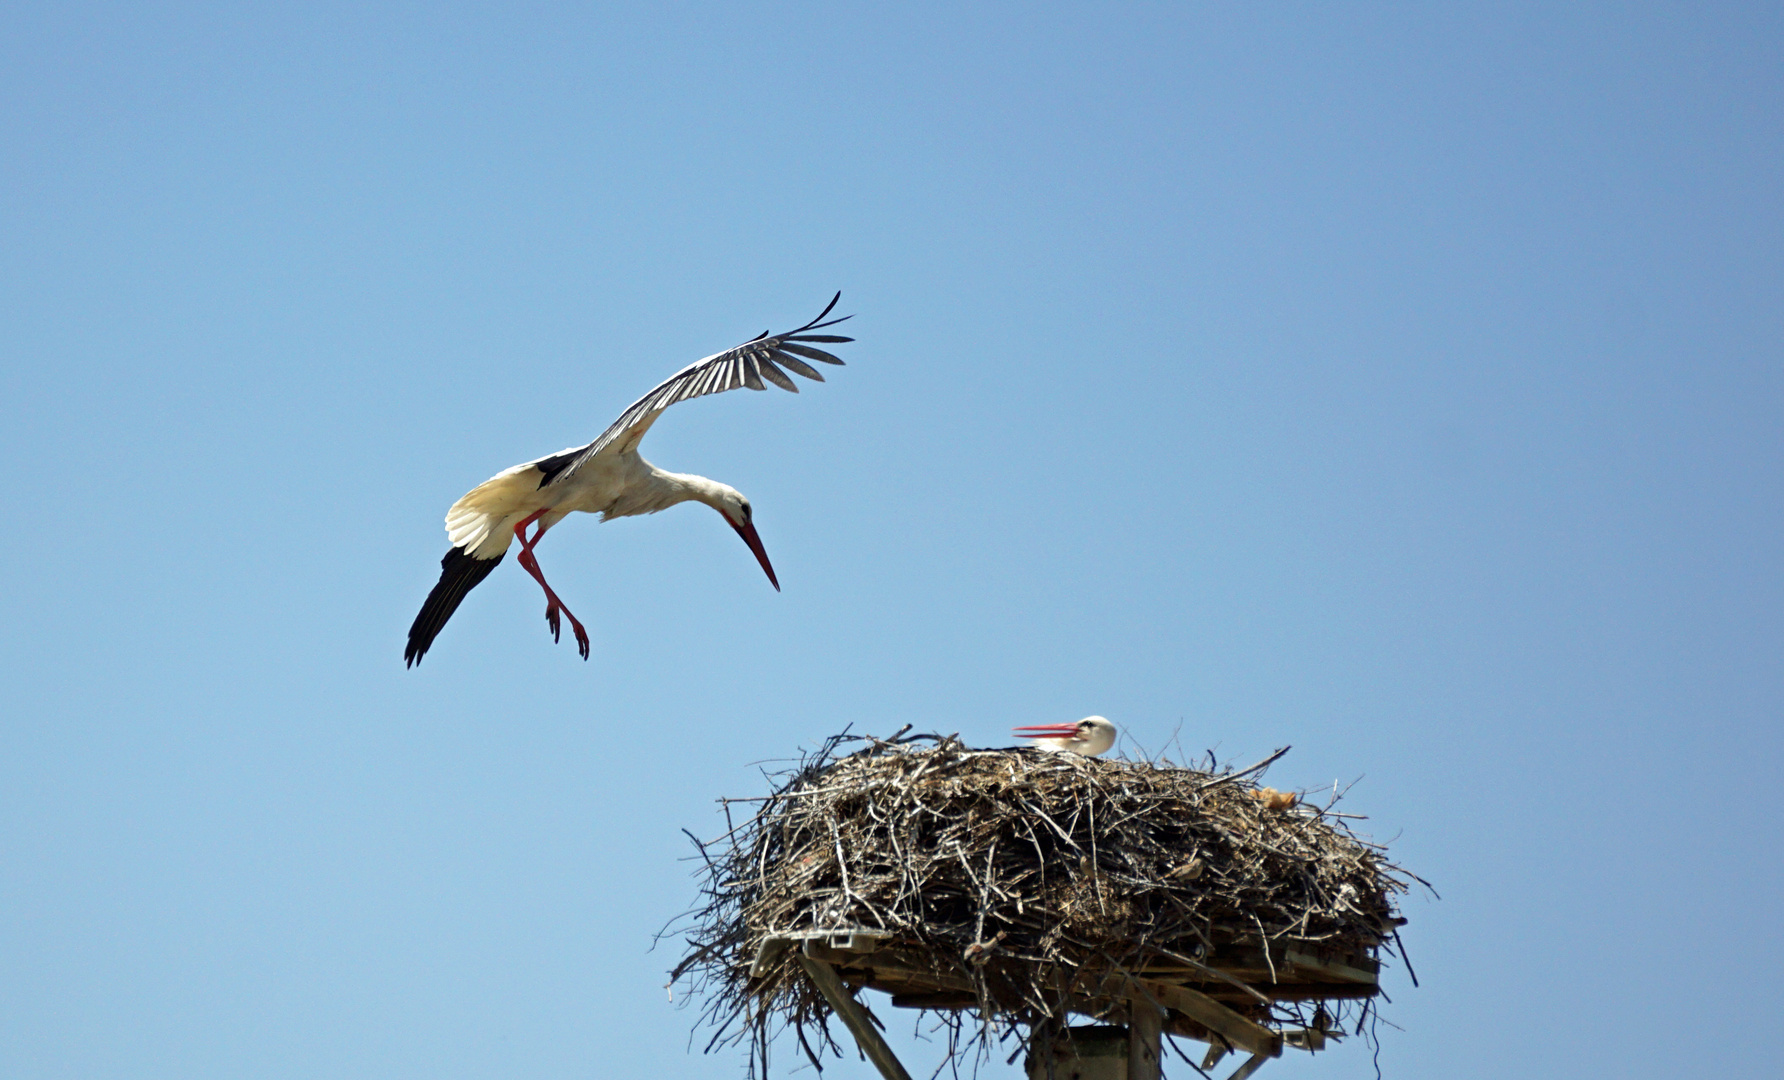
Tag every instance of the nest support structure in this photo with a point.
(1007, 891)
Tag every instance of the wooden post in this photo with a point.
(1145, 1039)
(854, 1017)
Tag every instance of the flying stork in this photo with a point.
(607, 477)
(1090, 736)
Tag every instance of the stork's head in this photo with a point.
(1090, 736)
(735, 509)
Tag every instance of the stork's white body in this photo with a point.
(613, 483)
(607, 477)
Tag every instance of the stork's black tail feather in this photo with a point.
(459, 574)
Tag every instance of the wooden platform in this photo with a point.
(1221, 998)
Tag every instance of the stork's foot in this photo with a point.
(553, 606)
(551, 619)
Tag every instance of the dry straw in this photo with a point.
(1012, 884)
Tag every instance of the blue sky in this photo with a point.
(1398, 382)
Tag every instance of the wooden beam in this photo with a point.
(854, 1017)
(1302, 962)
(850, 939)
(1244, 1071)
(1183, 964)
(892, 964)
(767, 952)
(1296, 992)
(1309, 1039)
(1213, 1015)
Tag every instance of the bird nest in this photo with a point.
(1008, 889)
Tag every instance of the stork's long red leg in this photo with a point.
(552, 604)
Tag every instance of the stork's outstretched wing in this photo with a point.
(746, 365)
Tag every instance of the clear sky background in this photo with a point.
(1399, 382)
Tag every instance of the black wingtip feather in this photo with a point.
(812, 354)
(459, 574)
(819, 321)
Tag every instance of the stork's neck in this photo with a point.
(686, 487)
(658, 489)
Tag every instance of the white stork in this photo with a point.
(1090, 736)
(607, 477)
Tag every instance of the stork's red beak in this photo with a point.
(1047, 731)
(748, 531)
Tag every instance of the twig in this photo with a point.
(1230, 777)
